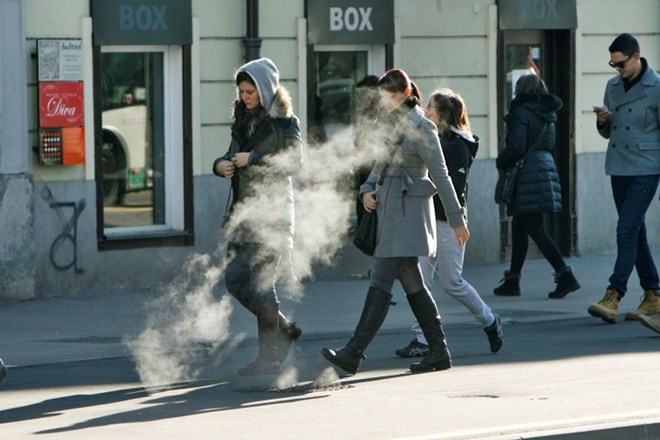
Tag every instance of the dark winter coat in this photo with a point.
(459, 150)
(537, 188)
(266, 181)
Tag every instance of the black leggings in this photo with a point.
(405, 269)
(532, 225)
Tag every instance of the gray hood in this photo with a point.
(266, 77)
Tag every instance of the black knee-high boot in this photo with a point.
(267, 362)
(426, 312)
(374, 312)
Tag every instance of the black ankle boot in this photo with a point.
(375, 310)
(509, 285)
(267, 362)
(426, 312)
(566, 283)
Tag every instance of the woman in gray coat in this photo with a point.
(401, 192)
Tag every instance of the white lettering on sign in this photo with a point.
(539, 9)
(57, 107)
(144, 18)
(352, 19)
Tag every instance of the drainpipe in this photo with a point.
(252, 41)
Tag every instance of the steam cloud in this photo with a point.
(191, 311)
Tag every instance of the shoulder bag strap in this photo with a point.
(536, 142)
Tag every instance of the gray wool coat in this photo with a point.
(634, 128)
(406, 217)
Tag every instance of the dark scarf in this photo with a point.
(247, 121)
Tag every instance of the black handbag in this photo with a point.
(366, 233)
(506, 182)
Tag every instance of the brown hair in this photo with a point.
(531, 84)
(397, 81)
(451, 109)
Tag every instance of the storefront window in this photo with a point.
(337, 73)
(132, 151)
(141, 153)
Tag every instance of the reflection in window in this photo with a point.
(337, 73)
(521, 59)
(132, 153)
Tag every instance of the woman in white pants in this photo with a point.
(448, 111)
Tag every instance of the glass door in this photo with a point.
(335, 75)
(336, 101)
(523, 54)
(551, 55)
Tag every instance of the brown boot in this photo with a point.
(268, 360)
(607, 308)
(650, 305)
(288, 333)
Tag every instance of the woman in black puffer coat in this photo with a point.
(537, 188)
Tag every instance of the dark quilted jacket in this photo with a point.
(537, 188)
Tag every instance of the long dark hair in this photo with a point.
(242, 116)
(397, 81)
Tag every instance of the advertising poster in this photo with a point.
(60, 60)
(61, 104)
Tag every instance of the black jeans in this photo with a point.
(532, 225)
(251, 273)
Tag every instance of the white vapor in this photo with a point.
(190, 312)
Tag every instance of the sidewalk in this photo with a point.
(580, 389)
(88, 327)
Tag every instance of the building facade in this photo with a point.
(112, 113)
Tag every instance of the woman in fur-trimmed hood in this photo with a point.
(265, 151)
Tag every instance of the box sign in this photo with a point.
(350, 21)
(142, 22)
(537, 14)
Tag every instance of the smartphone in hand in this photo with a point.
(598, 108)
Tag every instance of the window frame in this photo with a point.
(177, 93)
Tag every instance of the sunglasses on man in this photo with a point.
(619, 64)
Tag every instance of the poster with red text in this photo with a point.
(61, 104)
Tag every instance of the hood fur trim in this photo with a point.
(282, 106)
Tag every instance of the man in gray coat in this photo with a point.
(630, 119)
